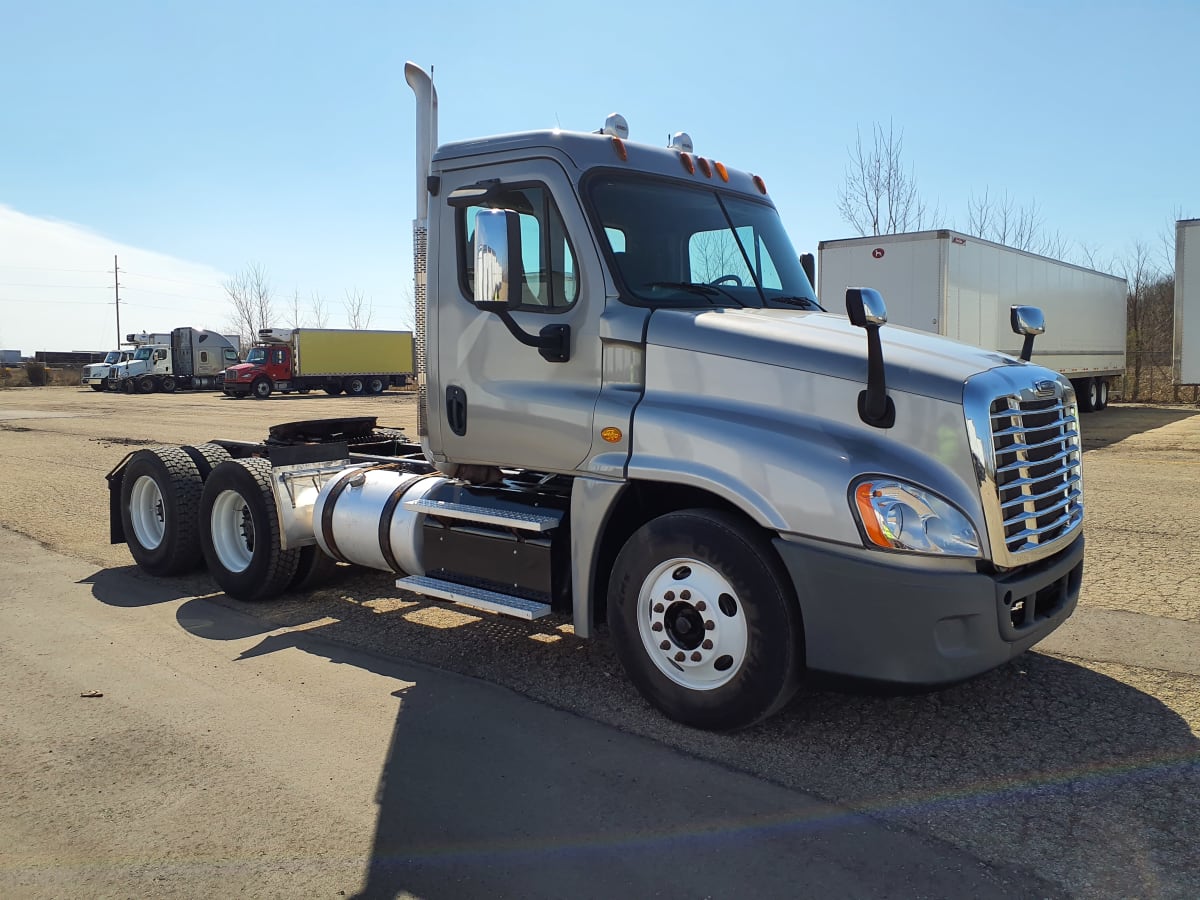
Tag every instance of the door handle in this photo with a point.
(456, 410)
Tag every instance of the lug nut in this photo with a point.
(680, 656)
(710, 625)
(707, 645)
(685, 595)
(665, 645)
(701, 606)
(658, 607)
(696, 657)
(669, 596)
(657, 626)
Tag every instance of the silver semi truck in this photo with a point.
(633, 410)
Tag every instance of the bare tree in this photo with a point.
(249, 292)
(358, 309)
(1150, 311)
(879, 195)
(294, 317)
(714, 254)
(1000, 219)
(320, 310)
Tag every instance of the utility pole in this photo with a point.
(117, 299)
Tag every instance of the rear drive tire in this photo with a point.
(1103, 394)
(705, 620)
(333, 389)
(147, 385)
(239, 532)
(168, 384)
(207, 457)
(261, 389)
(160, 500)
(355, 387)
(376, 385)
(314, 569)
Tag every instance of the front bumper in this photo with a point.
(876, 616)
(235, 388)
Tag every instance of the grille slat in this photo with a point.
(1039, 485)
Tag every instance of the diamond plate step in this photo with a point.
(521, 520)
(476, 598)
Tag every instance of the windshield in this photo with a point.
(112, 356)
(691, 245)
(143, 353)
(257, 355)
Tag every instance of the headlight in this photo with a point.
(896, 515)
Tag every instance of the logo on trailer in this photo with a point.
(877, 253)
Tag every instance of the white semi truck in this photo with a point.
(95, 375)
(1187, 301)
(191, 359)
(633, 410)
(963, 287)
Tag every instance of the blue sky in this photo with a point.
(195, 138)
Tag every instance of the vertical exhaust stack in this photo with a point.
(426, 134)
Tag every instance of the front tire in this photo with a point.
(261, 389)
(239, 532)
(97, 387)
(160, 499)
(705, 621)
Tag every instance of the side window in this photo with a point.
(203, 356)
(544, 266)
(277, 357)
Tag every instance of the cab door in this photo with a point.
(493, 400)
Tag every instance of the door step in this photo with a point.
(476, 598)
(486, 514)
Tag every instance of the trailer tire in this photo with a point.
(355, 386)
(709, 586)
(239, 532)
(207, 457)
(160, 499)
(1085, 394)
(333, 389)
(169, 384)
(376, 385)
(1102, 395)
(261, 388)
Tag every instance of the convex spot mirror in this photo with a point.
(865, 307)
(497, 237)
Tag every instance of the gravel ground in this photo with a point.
(1083, 772)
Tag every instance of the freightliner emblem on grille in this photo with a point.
(1044, 388)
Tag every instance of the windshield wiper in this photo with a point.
(804, 302)
(708, 291)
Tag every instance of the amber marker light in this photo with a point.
(705, 167)
(619, 146)
(686, 159)
(611, 434)
(866, 512)
(722, 171)
(760, 184)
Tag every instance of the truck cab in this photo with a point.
(96, 375)
(267, 368)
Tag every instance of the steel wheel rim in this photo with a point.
(232, 529)
(688, 609)
(146, 512)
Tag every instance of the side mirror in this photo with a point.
(1029, 321)
(865, 307)
(497, 235)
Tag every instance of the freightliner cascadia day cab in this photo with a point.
(633, 410)
(329, 359)
(963, 287)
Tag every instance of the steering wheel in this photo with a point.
(735, 279)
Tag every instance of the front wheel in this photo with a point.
(261, 389)
(705, 621)
(97, 387)
(239, 531)
(160, 496)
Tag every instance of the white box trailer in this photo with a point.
(963, 287)
(1187, 301)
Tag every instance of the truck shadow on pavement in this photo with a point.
(1046, 767)
(1118, 422)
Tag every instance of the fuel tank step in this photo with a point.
(486, 514)
(476, 598)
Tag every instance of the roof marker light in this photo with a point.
(687, 163)
(722, 171)
(760, 184)
(619, 146)
(616, 126)
(704, 166)
(681, 141)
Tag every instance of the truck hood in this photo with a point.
(243, 367)
(914, 361)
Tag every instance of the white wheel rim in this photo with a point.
(692, 624)
(1103, 393)
(146, 512)
(232, 531)
(1093, 394)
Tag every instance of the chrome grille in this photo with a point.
(1025, 438)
